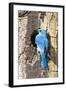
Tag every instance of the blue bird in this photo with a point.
(42, 43)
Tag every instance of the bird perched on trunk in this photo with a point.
(42, 43)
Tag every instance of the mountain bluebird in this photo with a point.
(42, 43)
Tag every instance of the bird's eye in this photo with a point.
(40, 31)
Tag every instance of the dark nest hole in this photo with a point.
(33, 35)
